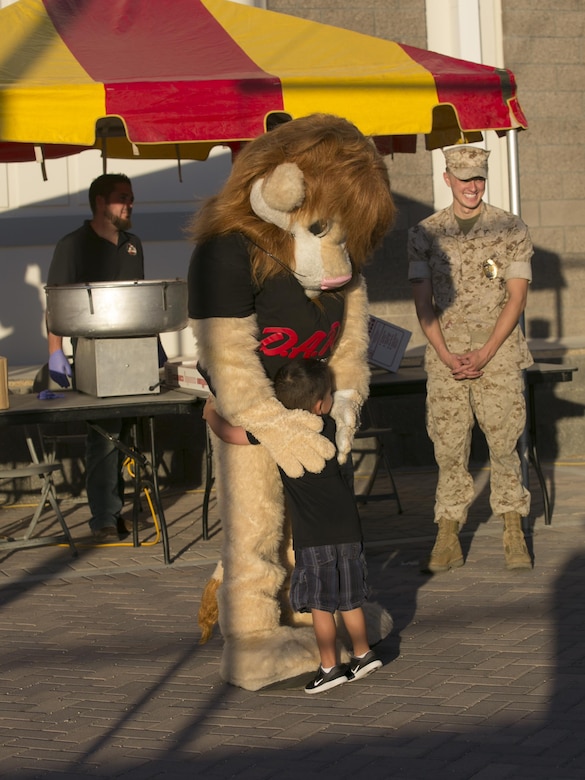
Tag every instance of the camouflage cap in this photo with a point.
(467, 162)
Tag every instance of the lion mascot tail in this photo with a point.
(208, 614)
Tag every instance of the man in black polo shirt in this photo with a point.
(101, 250)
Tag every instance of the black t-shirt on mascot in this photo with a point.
(290, 324)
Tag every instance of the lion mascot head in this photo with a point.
(309, 182)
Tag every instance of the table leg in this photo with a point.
(142, 462)
(208, 484)
(533, 456)
(158, 502)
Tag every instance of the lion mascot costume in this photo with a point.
(276, 274)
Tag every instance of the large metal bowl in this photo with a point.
(117, 309)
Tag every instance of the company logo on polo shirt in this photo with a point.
(132, 249)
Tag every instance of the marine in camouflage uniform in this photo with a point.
(470, 252)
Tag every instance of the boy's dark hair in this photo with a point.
(301, 383)
(104, 185)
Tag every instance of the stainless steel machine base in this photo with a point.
(120, 366)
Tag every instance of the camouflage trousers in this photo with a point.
(497, 402)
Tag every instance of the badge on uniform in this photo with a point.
(490, 269)
(133, 251)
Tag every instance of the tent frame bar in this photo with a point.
(514, 190)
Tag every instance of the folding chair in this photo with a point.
(370, 431)
(44, 468)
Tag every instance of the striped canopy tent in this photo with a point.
(173, 78)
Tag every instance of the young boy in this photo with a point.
(330, 569)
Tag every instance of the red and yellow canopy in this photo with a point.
(159, 78)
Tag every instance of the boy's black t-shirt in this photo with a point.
(322, 506)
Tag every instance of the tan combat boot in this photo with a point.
(447, 553)
(515, 549)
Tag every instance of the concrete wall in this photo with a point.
(543, 44)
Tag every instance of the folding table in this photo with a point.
(71, 406)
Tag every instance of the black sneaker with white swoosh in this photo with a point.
(360, 667)
(324, 681)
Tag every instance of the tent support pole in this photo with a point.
(514, 184)
(178, 153)
(104, 154)
(513, 171)
(40, 158)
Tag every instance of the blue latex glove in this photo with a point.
(162, 355)
(59, 368)
(48, 395)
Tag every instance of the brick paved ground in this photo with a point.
(101, 674)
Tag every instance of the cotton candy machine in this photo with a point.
(116, 325)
